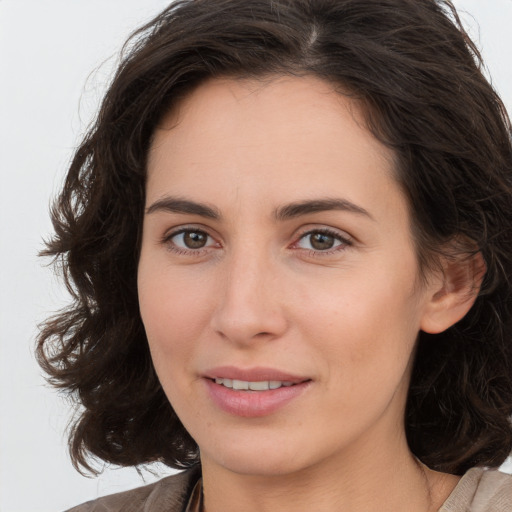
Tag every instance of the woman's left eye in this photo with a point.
(321, 241)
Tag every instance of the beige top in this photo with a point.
(478, 491)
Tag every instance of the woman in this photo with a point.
(288, 238)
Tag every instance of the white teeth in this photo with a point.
(240, 384)
(259, 386)
(244, 385)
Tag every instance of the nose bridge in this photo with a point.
(249, 302)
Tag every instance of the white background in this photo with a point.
(55, 59)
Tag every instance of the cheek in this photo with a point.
(173, 322)
(367, 326)
(175, 309)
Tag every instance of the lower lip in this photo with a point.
(253, 404)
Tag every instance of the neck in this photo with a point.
(381, 480)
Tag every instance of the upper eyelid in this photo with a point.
(344, 235)
(309, 228)
(176, 230)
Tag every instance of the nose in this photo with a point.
(250, 305)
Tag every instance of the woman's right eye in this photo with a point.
(190, 240)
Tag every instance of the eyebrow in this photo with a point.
(286, 212)
(179, 205)
(293, 210)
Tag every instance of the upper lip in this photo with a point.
(256, 374)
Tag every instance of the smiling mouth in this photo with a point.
(257, 397)
(245, 385)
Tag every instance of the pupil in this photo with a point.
(194, 240)
(322, 241)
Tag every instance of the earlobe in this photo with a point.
(453, 293)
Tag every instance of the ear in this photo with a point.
(452, 292)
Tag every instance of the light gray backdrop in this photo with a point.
(55, 59)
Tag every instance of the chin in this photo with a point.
(257, 465)
(262, 457)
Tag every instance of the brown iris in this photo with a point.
(194, 239)
(322, 241)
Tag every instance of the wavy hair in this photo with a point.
(419, 78)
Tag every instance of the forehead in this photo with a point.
(276, 101)
(279, 138)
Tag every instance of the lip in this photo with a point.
(253, 404)
(252, 374)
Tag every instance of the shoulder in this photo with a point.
(167, 495)
(481, 490)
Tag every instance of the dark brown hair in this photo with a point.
(418, 76)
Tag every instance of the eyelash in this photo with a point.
(345, 242)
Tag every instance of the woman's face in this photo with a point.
(277, 250)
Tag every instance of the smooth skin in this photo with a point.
(276, 235)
